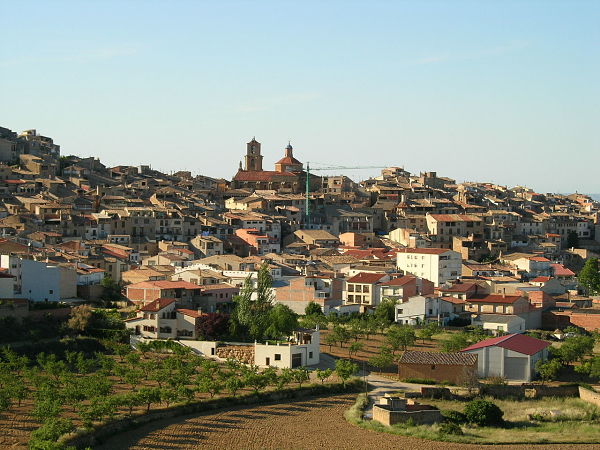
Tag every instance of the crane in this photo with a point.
(331, 167)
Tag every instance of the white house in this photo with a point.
(438, 265)
(302, 350)
(161, 319)
(513, 356)
(39, 281)
(499, 323)
(424, 308)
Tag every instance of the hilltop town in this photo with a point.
(345, 245)
(123, 288)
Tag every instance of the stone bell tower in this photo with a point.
(253, 158)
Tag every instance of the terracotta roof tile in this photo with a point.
(450, 359)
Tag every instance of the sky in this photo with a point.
(501, 91)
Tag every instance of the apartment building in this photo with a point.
(437, 265)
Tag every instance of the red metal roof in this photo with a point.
(519, 343)
(366, 278)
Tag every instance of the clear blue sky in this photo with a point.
(476, 90)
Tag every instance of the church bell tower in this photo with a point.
(253, 158)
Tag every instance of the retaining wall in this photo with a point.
(589, 396)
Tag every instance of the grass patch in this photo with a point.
(561, 420)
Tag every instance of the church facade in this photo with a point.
(288, 176)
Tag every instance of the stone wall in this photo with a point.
(241, 353)
(387, 417)
(439, 372)
(530, 391)
(589, 396)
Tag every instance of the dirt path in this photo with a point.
(306, 424)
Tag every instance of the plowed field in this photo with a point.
(306, 424)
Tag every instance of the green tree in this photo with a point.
(589, 276)
(342, 335)
(111, 291)
(344, 369)
(252, 305)
(323, 374)
(400, 337)
(233, 384)
(331, 340)
(282, 321)
(548, 370)
(386, 310)
(313, 308)
(455, 343)
(383, 359)
(300, 375)
(148, 395)
(483, 413)
(575, 349)
(590, 367)
(354, 348)
(428, 331)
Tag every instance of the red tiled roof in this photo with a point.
(561, 271)
(164, 284)
(158, 304)
(455, 218)
(541, 279)
(288, 160)
(401, 281)
(189, 312)
(425, 251)
(366, 278)
(459, 287)
(539, 259)
(519, 343)
(495, 298)
(264, 175)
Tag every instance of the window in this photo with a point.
(277, 356)
(400, 311)
(51, 291)
(433, 367)
(310, 354)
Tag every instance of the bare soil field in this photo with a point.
(372, 346)
(306, 424)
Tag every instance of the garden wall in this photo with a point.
(589, 396)
(387, 417)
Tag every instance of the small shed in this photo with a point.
(513, 356)
(454, 367)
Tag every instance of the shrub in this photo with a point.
(483, 413)
(419, 381)
(454, 416)
(451, 428)
(497, 381)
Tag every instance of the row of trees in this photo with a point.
(575, 351)
(105, 386)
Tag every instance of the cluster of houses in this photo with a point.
(180, 245)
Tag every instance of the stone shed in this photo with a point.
(392, 410)
(457, 368)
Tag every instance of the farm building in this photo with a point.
(303, 349)
(454, 367)
(512, 356)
